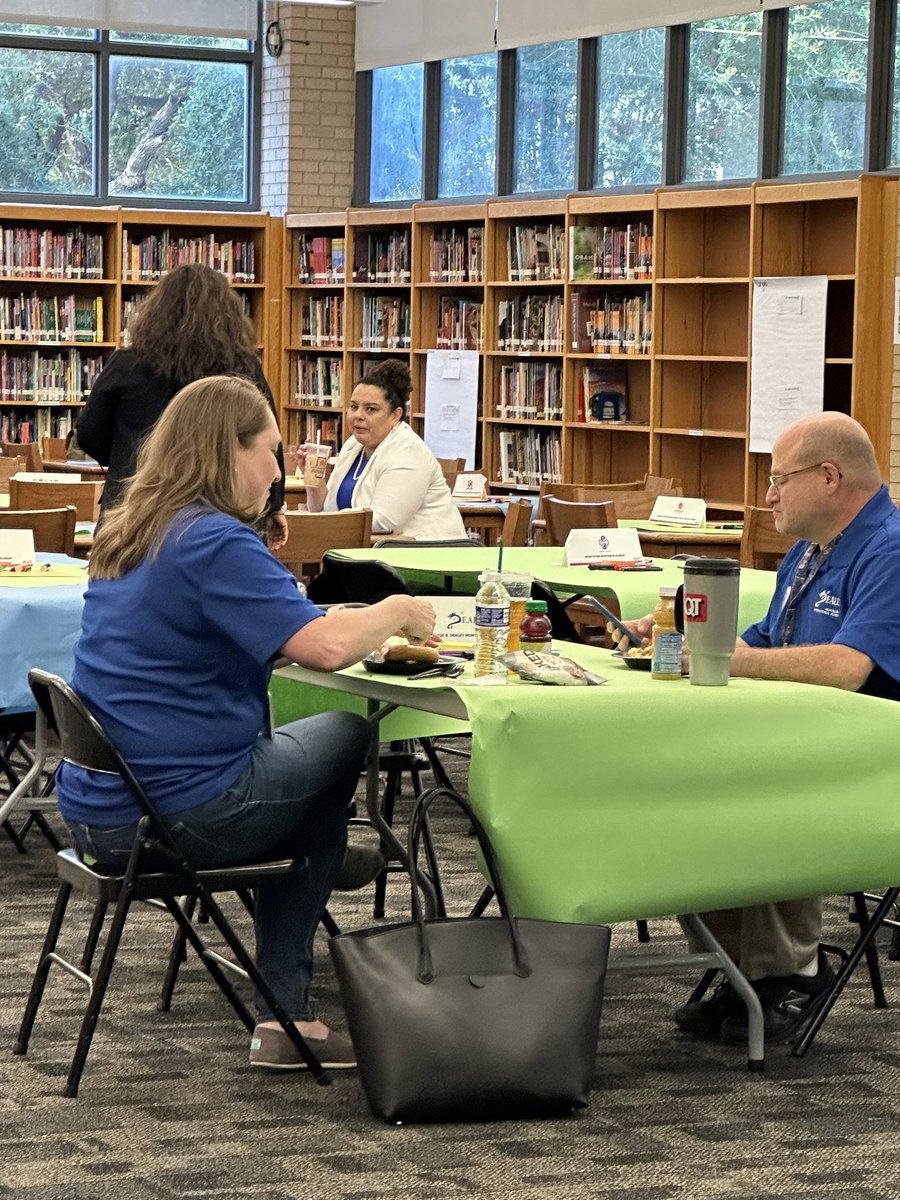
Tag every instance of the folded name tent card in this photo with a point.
(679, 510)
(45, 477)
(586, 546)
(455, 619)
(470, 485)
(16, 548)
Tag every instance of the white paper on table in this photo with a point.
(679, 510)
(451, 403)
(16, 546)
(584, 546)
(787, 366)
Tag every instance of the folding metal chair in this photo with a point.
(157, 870)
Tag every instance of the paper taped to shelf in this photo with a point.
(679, 510)
(586, 546)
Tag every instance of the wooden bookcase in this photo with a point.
(47, 363)
(689, 286)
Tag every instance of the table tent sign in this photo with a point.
(455, 620)
(679, 510)
(43, 477)
(470, 485)
(586, 546)
(16, 548)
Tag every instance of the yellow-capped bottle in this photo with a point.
(665, 660)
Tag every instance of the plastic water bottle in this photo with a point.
(491, 625)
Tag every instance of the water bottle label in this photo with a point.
(666, 654)
(492, 616)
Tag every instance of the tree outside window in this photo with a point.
(468, 147)
(546, 82)
(630, 105)
(723, 98)
(397, 105)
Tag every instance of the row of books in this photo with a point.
(322, 321)
(50, 253)
(602, 394)
(14, 427)
(310, 427)
(385, 323)
(318, 381)
(133, 303)
(382, 257)
(40, 378)
(37, 318)
(612, 324)
(535, 252)
(460, 324)
(530, 391)
(611, 251)
(146, 259)
(527, 323)
(457, 255)
(529, 456)
(321, 259)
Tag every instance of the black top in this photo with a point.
(125, 403)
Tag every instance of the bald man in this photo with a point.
(834, 620)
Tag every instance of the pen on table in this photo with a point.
(456, 653)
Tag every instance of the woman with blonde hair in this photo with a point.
(190, 326)
(184, 614)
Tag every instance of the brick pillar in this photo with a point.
(308, 104)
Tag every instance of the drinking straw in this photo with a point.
(500, 554)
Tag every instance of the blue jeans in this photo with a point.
(290, 802)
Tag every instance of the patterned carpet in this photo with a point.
(169, 1108)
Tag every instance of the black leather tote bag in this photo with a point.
(472, 1018)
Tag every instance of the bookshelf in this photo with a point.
(313, 327)
(58, 314)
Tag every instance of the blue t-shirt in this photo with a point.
(174, 660)
(853, 600)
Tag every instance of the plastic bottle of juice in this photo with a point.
(666, 640)
(536, 633)
(491, 624)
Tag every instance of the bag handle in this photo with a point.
(425, 972)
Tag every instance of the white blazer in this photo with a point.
(403, 485)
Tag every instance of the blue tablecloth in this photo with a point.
(39, 627)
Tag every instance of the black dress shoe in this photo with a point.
(362, 865)
(704, 1018)
(788, 1002)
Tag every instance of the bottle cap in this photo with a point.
(536, 606)
(668, 593)
(489, 577)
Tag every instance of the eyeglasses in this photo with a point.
(777, 480)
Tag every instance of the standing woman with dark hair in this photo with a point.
(387, 467)
(191, 326)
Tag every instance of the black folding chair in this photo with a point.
(157, 871)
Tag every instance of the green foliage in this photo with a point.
(545, 117)
(397, 104)
(630, 108)
(468, 125)
(723, 98)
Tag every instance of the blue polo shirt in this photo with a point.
(854, 599)
(174, 660)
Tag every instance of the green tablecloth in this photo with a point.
(637, 591)
(643, 798)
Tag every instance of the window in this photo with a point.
(178, 126)
(895, 122)
(397, 106)
(827, 60)
(723, 98)
(630, 69)
(468, 145)
(177, 129)
(546, 81)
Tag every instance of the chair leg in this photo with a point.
(43, 969)
(872, 963)
(643, 931)
(482, 902)
(210, 960)
(806, 1039)
(703, 986)
(177, 955)
(391, 788)
(93, 935)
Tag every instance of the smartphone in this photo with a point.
(633, 639)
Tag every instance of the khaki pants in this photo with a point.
(767, 939)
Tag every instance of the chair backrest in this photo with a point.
(517, 523)
(53, 528)
(355, 581)
(9, 467)
(563, 516)
(661, 486)
(632, 506)
(53, 449)
(414, 543)
(451, 467)
(311, 534)
(762, 546)
(32, 493)
(29, 452)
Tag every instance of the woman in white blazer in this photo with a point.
(387, 467)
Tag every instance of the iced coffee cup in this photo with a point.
(315, 464)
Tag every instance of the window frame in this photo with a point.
(883, 33)
(103, 48)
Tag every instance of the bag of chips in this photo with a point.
(549, 668)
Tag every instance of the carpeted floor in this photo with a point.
(169, 1108)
